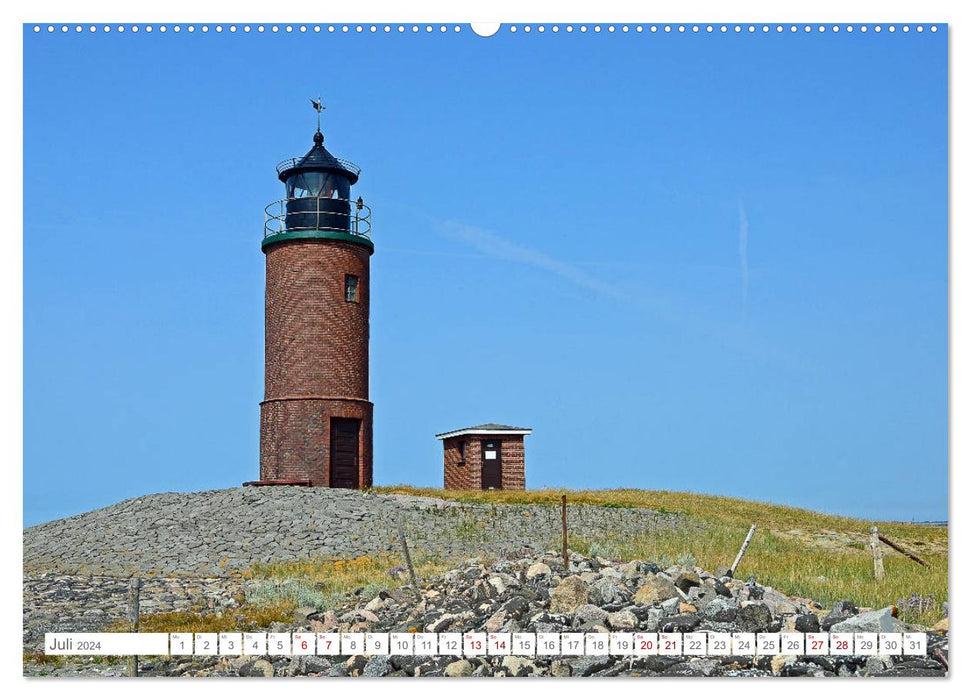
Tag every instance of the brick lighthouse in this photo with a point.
(316, 419)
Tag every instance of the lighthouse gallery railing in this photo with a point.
(323, 215)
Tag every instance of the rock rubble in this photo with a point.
(535, 593)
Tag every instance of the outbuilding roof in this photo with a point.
(486, 429)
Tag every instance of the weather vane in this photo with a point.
(319, 106)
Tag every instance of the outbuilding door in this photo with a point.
(491, 464)
(343, 452)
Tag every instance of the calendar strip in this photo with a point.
(470, 644)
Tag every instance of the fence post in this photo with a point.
(566, 557)
(738, 559)
(878, 571)
(404, 546)
(134, 589)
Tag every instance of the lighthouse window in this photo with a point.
(325, 185)
(305, 184)
(350, 288)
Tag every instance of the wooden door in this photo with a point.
(344, 443)
(491, 464)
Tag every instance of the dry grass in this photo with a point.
(800, 552)
(42, 659)
(245, 618)
(319, 583)
(335, 579)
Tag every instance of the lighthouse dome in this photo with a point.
(318, 159)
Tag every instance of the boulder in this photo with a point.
(261, 668)
(694, 668)
(377, 666)
(300, 665)
(502, 582)
(876, 664)
(517, 666)
(650, 623)
(719, 610)
(324, 622)
(687, 581)
(482, 592)
(845, 607)
(622, 620)
(608, 592)
(654, 590)
(781, 661)
(356, 615)
(637, 569)
(843, 610)
(301, 614)
(355, 664)
(448, 622)
(873, 621)
(516, 607)
(699, 595)
(587, 615)
(671, 605)
(754, 617)
(538, 570)
(569, 595)
(496, 621)
(432, 666)
(806, 623)
(804, 668)
(679, 623)
(588, 665)
(462, 667)
(778, 603)
(376, 604)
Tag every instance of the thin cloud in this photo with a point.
(727, 335)
(499, 248)
(743, 247)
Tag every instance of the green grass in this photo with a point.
(800, 552)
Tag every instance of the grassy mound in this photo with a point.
(800, 552)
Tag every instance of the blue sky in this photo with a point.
(714, 263)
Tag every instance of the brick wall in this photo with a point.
(513, 463)
(461, 475)
(316, 357)
(316, 343)
(467, 475)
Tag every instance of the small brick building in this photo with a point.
(484, 457)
